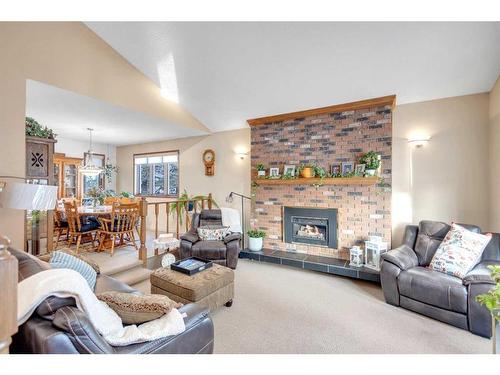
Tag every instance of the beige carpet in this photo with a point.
(286, 310)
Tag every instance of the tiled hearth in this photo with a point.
(325, 139)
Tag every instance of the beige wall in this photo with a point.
(70, 56)
(447, 179)
(495, 157)
(231, 173)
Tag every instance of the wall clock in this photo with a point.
(209, 160)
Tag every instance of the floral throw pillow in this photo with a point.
(459, 252)
(212, 233)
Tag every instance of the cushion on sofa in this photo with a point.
(212, 232)
(434, 288)
(136, 309)
(63, 260)
(90, 262)
(459, 252)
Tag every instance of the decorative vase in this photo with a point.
(370, 172)
(307, 172)
(255, 243)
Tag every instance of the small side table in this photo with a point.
(166, 242)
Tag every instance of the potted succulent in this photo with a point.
(255, 237)
(371, 160)
(491, 301)
(261, 170)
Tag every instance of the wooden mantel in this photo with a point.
(318, 181)
(375, 102)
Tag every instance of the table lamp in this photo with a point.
(22, 196)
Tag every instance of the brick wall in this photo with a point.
(325, 140)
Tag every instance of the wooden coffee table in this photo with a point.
(210, 288)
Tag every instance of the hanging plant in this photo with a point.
(109, 170)
(34, 129)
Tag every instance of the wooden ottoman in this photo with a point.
(210, 288)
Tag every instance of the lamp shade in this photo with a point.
(28, 196)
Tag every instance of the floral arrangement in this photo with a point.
(34, 129)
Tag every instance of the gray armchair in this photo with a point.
(221, 252)
(408, 282)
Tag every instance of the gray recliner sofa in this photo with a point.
(408, 282)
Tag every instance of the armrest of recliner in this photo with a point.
(232, 237)
(480, 274)
(403, 257)
(190, 236)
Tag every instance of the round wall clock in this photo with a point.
(209, 161)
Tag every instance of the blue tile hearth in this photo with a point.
(317, 263)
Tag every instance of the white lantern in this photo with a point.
(356, 256)
(373, 251)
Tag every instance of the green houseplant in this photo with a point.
(34, 129)
(255, 238)
(491, 301)
(261, 170)
(371, 160)
(186, 202)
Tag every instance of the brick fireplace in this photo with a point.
(325, 136)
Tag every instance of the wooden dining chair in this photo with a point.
(109, 201)
(78, 228)
(60, 226)
(119, 227)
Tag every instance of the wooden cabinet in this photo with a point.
(66, 176)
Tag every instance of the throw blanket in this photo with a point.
(68, 283)
(231, 219)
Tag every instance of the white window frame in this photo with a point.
(154, 156)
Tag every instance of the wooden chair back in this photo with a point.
(124, 216)
(108, 201)
(71, 211)
(58, 218)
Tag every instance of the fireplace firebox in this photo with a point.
(311, 226)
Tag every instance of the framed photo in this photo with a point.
(289, 169)
(347, 168)
(274, 172)
(359, 169)
(335, 170)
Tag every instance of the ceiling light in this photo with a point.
(89, 169)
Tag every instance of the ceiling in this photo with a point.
(226, 73)
(70, 114)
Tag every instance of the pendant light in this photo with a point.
(89, 169)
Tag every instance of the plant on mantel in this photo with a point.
(34, 129)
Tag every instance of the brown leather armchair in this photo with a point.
(408, 282)
(221, 252)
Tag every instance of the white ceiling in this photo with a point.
(70, 114)
(226, 73)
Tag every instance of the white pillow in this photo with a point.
(212, 233)
(459, 252)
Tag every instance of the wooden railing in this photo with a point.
(160, 207)
(8, 296)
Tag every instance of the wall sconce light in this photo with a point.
(418, 142)
(241, 155)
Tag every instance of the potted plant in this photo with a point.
(255, 237)
(186, 202)
(306, 170)
(371, 160)
(261, 170)
(491, 301)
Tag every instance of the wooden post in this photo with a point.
(178, 207)
(167, 211)
(186, 207)
(157, 212)
(143, 212)
(209, 201)
(8, 297)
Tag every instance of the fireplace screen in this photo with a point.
(313, 226)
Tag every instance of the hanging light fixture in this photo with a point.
(89, 169)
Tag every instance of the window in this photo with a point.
(156, 174)
(90, 182)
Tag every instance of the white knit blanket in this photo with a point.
(68, 283)
(231, 219)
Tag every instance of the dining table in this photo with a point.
(97, 211)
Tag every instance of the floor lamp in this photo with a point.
(230, 199)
